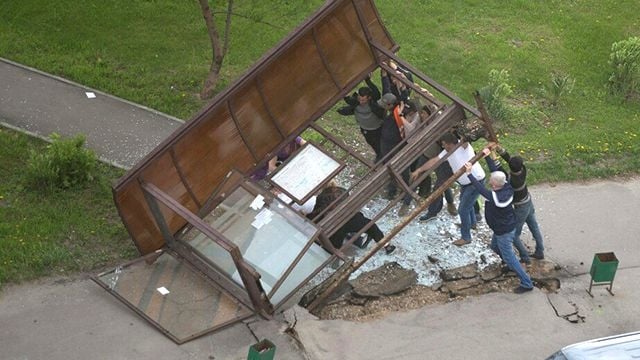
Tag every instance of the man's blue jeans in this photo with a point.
(526, 213)
(503, 245)
(468, 196)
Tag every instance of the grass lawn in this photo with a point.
(156, 53)
(55, 233)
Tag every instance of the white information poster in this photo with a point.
(306, 171)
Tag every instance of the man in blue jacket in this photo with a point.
(499, 215)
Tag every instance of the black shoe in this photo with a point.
(526, 261)
(389, 249)
(364, 242)
(404, 210)
(478, 217)
(521, 290)
(427, 217)
(537, 256)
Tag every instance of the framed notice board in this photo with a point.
(305, 172)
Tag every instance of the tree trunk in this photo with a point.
(218, 50)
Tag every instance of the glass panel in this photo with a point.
(172, 296)
(270, 236)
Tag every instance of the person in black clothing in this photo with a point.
(392, 136)
(393, 84)
(523, 206)
(325, 199)
(363, 105)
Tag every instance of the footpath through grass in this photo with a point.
(54, 233)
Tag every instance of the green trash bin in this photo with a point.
(263, 350)
(603, 270)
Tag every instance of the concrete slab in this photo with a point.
(494, 326)
(579, 220)
(79, 320)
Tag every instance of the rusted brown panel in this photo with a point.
(208, 152)
(373, 23)
(137, 218)
(344, 44)
(255, 122)
(296, 84)
(165, 176)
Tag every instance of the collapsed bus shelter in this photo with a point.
(218, 247)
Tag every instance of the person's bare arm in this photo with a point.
(426, 166)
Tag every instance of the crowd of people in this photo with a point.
(386, 120)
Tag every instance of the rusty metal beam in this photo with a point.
(403, 158)
(485, 118)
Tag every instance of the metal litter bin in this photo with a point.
(263, 350)
(603, 270)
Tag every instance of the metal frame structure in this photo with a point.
(174, 187)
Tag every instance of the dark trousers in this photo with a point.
(357, 222)
(392, 188)
(443, 172)
(373, 139)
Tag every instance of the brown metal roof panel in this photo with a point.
(164, 175)
(208, 152)
(255, 122)
(296, 84)
(137, 218)
(344, 45)
(299, 79)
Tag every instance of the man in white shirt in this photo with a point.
(468, 193)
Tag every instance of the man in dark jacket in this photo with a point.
(328, 198)
(363, 105)
(499, 215)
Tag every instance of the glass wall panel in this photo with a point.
(270, 236)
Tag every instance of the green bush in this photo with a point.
(65, 163)
(625, 61)
(494, 95)
(561, 85)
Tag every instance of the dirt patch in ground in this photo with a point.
(363, 299)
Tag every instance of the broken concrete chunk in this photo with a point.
(391, 278)
(491, 272)
(463, 272)
(458, 285)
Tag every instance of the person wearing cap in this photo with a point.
(499, 214)
(523, 206)
(363, 105)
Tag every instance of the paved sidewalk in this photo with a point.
(76, 319)
(577, 221)
(120, 132)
